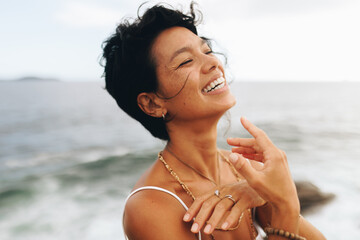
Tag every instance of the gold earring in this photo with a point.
(163, 116)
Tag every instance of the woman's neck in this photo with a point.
(196, 146)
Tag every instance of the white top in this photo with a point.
(261, 234)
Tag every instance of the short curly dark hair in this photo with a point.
(129, 68)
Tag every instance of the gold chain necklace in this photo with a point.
(197, 171)
(187, 190)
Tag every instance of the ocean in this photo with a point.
(69, 156)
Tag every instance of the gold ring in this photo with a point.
(230, 197)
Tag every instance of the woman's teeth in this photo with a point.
(217, 84)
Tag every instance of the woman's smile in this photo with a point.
(216, 86)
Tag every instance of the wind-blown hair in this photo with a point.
(129, 68)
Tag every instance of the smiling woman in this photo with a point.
(163, 74)
(196, 71)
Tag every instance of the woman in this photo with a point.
(165, 76)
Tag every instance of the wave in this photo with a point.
(119, 167)
(127, 167)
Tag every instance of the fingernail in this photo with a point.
(233, 157)
(195, 228)
(225, 225)
(186, 217)
(207, 228)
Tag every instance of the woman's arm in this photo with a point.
(273, 182)
(155, 215)
(306, 229)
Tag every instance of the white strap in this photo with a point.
(159, 189)
(261, 234)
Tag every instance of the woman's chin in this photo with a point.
(230, 101)
(226, 106)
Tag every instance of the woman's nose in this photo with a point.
(210, 62)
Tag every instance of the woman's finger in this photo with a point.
(234, 216)
(244, 167)
(205, 211)
(249, 200)
(195, 206)
(221, 208)
(244, 142)
(255, 157)
(243, 150)
(260, 136)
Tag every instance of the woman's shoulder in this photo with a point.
(149, 198)
(152, 194)
(154, 208)
(153, 204)
(153, 189)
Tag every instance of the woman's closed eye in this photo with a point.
(209, 52)
(190, 60)
(184, 63)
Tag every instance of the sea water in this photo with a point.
(69, 156)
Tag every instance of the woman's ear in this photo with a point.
(150, 104)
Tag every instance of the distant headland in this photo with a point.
(33, 78)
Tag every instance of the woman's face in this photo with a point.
(187, 69)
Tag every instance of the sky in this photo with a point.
(265, 40)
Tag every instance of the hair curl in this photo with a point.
(129, 68)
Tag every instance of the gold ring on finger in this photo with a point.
(229, 196)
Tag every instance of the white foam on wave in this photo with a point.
(83, 211)
(76, 156)
(44, 163)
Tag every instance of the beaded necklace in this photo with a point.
(187, 190)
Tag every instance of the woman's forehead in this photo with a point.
(174, 40)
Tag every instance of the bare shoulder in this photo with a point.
(153, 214)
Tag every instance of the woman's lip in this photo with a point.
(217, 91)
(213, 79)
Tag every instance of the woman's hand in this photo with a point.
(273, 181)
(212, 209)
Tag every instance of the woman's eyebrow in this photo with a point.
(186, 49)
